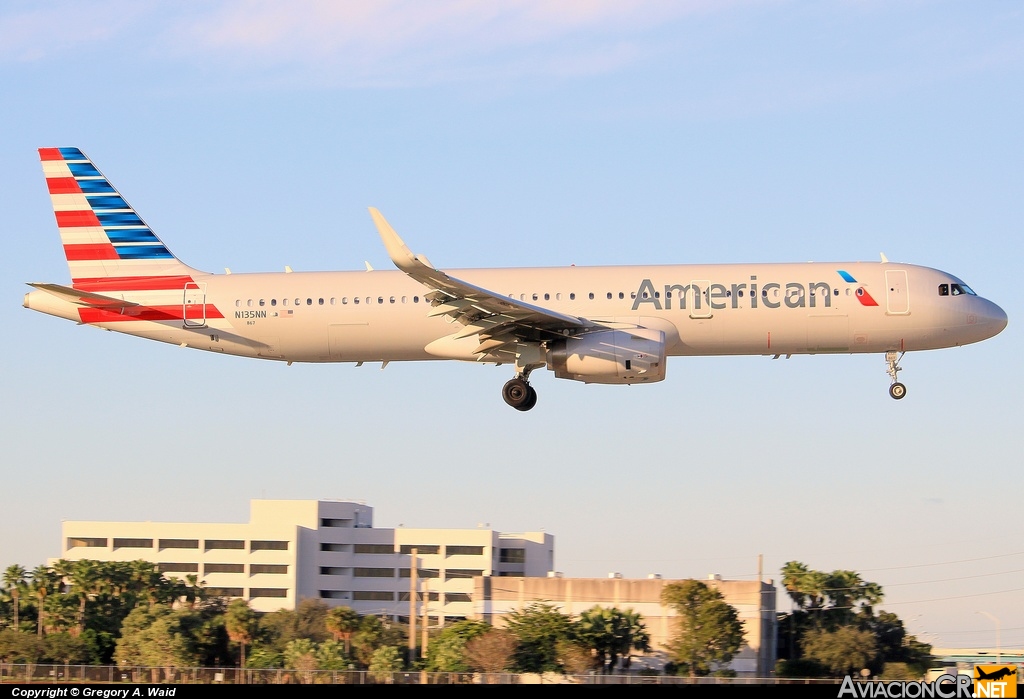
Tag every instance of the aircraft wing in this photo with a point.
(498, 320)
(84, 298)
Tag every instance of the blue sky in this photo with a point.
(254, 135)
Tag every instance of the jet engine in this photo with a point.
(610, 357)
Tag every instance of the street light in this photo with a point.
(999, 655)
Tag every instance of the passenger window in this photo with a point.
(609, 295)
(248, 303)
(380, 299)
(405, 299)
(332, 301)
(273, 302)
(284, 302)
(320, 302)
(309, 302)
(591, 295)
(262, 302)
(547, 297)
(392, 299)
(534, 297)
(644, 295)
(415, 299)
(298, 302)
(572, 297)
(355, 300)
(622, 295)
(368, 300)
(238, 303)
(344, 300)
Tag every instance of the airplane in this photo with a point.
(605, 325)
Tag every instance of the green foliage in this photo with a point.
(20, 647)
(385, 661)
(64, 648)
(446, 653)
(240, 624)
(154, 636)
(844, 651)
(331, 655)
(491, 651)
(300, 654)
(373, 634)
(803, 667)
(262, 657)
(539, 628)
(611, 633)
(710, 632)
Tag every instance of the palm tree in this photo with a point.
(14, 580)
(612, 633)
(86, 583)
(44, 582)
(343, 622)
(240, 622)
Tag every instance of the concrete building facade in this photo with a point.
(296, 549)
(754, 602)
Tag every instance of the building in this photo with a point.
(754, 602)
(291, 550)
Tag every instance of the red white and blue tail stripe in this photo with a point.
(107, 244)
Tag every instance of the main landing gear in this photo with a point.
(519, 393)
(896, 389)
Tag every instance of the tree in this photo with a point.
(612, 633)
(385, 661)
(538, 628)
(843, 651)
(342, 622)
(447, 652)
(44, 583)
(710, 632)
(300, 655)
(490, 651)
(240, 622)
(64, 648)
(14, 582)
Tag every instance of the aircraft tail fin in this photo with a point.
(107, 244)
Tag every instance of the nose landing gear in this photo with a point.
(896, 389)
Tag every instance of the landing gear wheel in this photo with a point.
(897, 390)
(530, 401)
(517, 394)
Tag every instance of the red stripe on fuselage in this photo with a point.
(50, 154)
(131, 283)
(62, 185)
(151, 313)
(76, 219)
(90, 251)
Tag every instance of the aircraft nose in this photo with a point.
(992, 317)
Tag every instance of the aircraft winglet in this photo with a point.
(400, 253)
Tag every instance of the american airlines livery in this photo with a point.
(610, 325)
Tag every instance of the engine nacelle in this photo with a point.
(610, 356)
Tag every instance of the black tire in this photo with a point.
(516, 393)
(897, 390)
(530, 401)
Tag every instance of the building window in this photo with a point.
(375, 548)
(512, 556)
(215, 544)
(457, 597)
(270, 569)
(268, 545)
(332, 570)
(331, 522)
(75, 542)
(133, 543)
(223, 568)
(421, 549)
(255, 592)
(510, 574)
(464, 550)
(374, 572)
(420, 572)
(373, 595)
(334, 547)
(224, 591)
(461, 573)
(178, 567)
(335, 594)
(179, 543)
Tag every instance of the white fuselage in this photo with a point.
(731, 309)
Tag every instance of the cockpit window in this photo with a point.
(943, 289)
(957, 289)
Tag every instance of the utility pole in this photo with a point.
(412, 604)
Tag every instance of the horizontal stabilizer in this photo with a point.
(83, 298)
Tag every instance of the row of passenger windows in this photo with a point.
(368, 300)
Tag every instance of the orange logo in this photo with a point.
(995, 681)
